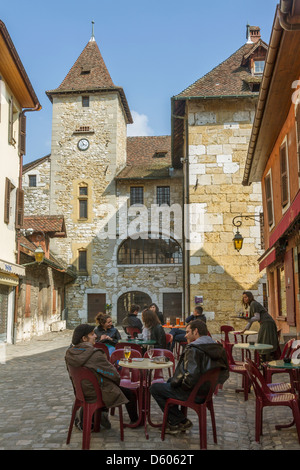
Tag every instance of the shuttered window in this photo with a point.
(7, 200)
(11, 121)
(269, 201)
(22, 134)
(20, 208)
(298, 135)
(284, 176)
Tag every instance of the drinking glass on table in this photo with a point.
(150, 351)
(127, 352)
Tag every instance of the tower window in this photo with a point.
(83, 202)
(85, 101)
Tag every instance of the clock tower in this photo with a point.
(88, 149)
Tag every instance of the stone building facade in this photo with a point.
(219, 110)
(92, 186)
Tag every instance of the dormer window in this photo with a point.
(259, 67)
(160, 154)
(85, 71)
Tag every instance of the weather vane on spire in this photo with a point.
(93, 35)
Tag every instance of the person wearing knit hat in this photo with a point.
(83, 353)
(81, 331)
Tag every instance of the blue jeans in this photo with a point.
(178, 335)
(161, 392)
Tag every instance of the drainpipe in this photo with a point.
(284, 12)
(185, 216)
(37, 107)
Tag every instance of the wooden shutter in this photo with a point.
(284, 176)
(20, 208)
(7, 200)
(298, 135)
(269, 199)
(11, 121)
(22, 134)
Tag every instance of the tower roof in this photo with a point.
(89, 71)
(90, 74)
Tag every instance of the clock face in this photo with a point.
(83, 144)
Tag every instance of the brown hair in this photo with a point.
(150, 319)
(200, 326)
(101, 319)
(250, 297)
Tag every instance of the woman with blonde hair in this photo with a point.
(154, 328)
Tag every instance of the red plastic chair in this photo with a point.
(265, 397)
(129, 377)
(104, 347)
(77, 375)
(131, 330)
(237, 368)
(286, 352)
(133, 346)
(158, 373)
(225, 329)
(169, 340)
(212, 378)
(179, 348)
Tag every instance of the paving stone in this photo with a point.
(37, 398)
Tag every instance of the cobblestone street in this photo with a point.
(37, 396)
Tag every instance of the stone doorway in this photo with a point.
(129, 298)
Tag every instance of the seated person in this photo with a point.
(83, 353)
(132, 319)
(155, 309)
(106, 332)
(154, 329)
(201, 354)
(179, 335)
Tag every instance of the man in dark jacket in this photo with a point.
(201, 354)
(83, 353)
(132, 319)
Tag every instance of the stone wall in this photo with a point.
(219, 133)
(36, 199)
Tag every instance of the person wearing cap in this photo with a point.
(82, 353)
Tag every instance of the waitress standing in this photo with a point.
(268, 330)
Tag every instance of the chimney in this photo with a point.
(253, 34)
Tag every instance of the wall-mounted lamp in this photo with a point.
(38, 252)
(238, 239)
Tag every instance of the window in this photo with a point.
(85, 101)
(82, 261)
(259, 67)
(8, 187)
(20, 208)
(150, 251)
(11, 139)
(83, 201)
(32, 181)
(269, 200)
(163, 195)
(136, 195)
(284, 175)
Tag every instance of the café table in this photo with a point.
(256, 347)
(141, 342)
(244, 336)
(289, 366)
(145, 367)
(174, 326)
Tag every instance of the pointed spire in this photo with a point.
(93, 35)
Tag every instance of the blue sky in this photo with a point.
(153, 49)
